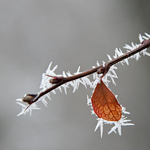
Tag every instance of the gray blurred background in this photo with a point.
(70, 33)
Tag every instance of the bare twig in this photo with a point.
(58, 81)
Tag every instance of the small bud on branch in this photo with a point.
(28, 98)
(55, 79)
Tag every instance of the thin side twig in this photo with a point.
(100, 69)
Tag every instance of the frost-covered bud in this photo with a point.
(55, 79)
(28, 98)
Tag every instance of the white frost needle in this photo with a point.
(121, 122)
(117, 124)
(26, 109)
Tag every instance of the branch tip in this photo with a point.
(28, 98)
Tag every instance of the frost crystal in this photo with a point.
(25, 108)
(117, 124)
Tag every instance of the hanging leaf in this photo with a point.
(105, 104)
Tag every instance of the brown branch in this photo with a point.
(58, 81)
